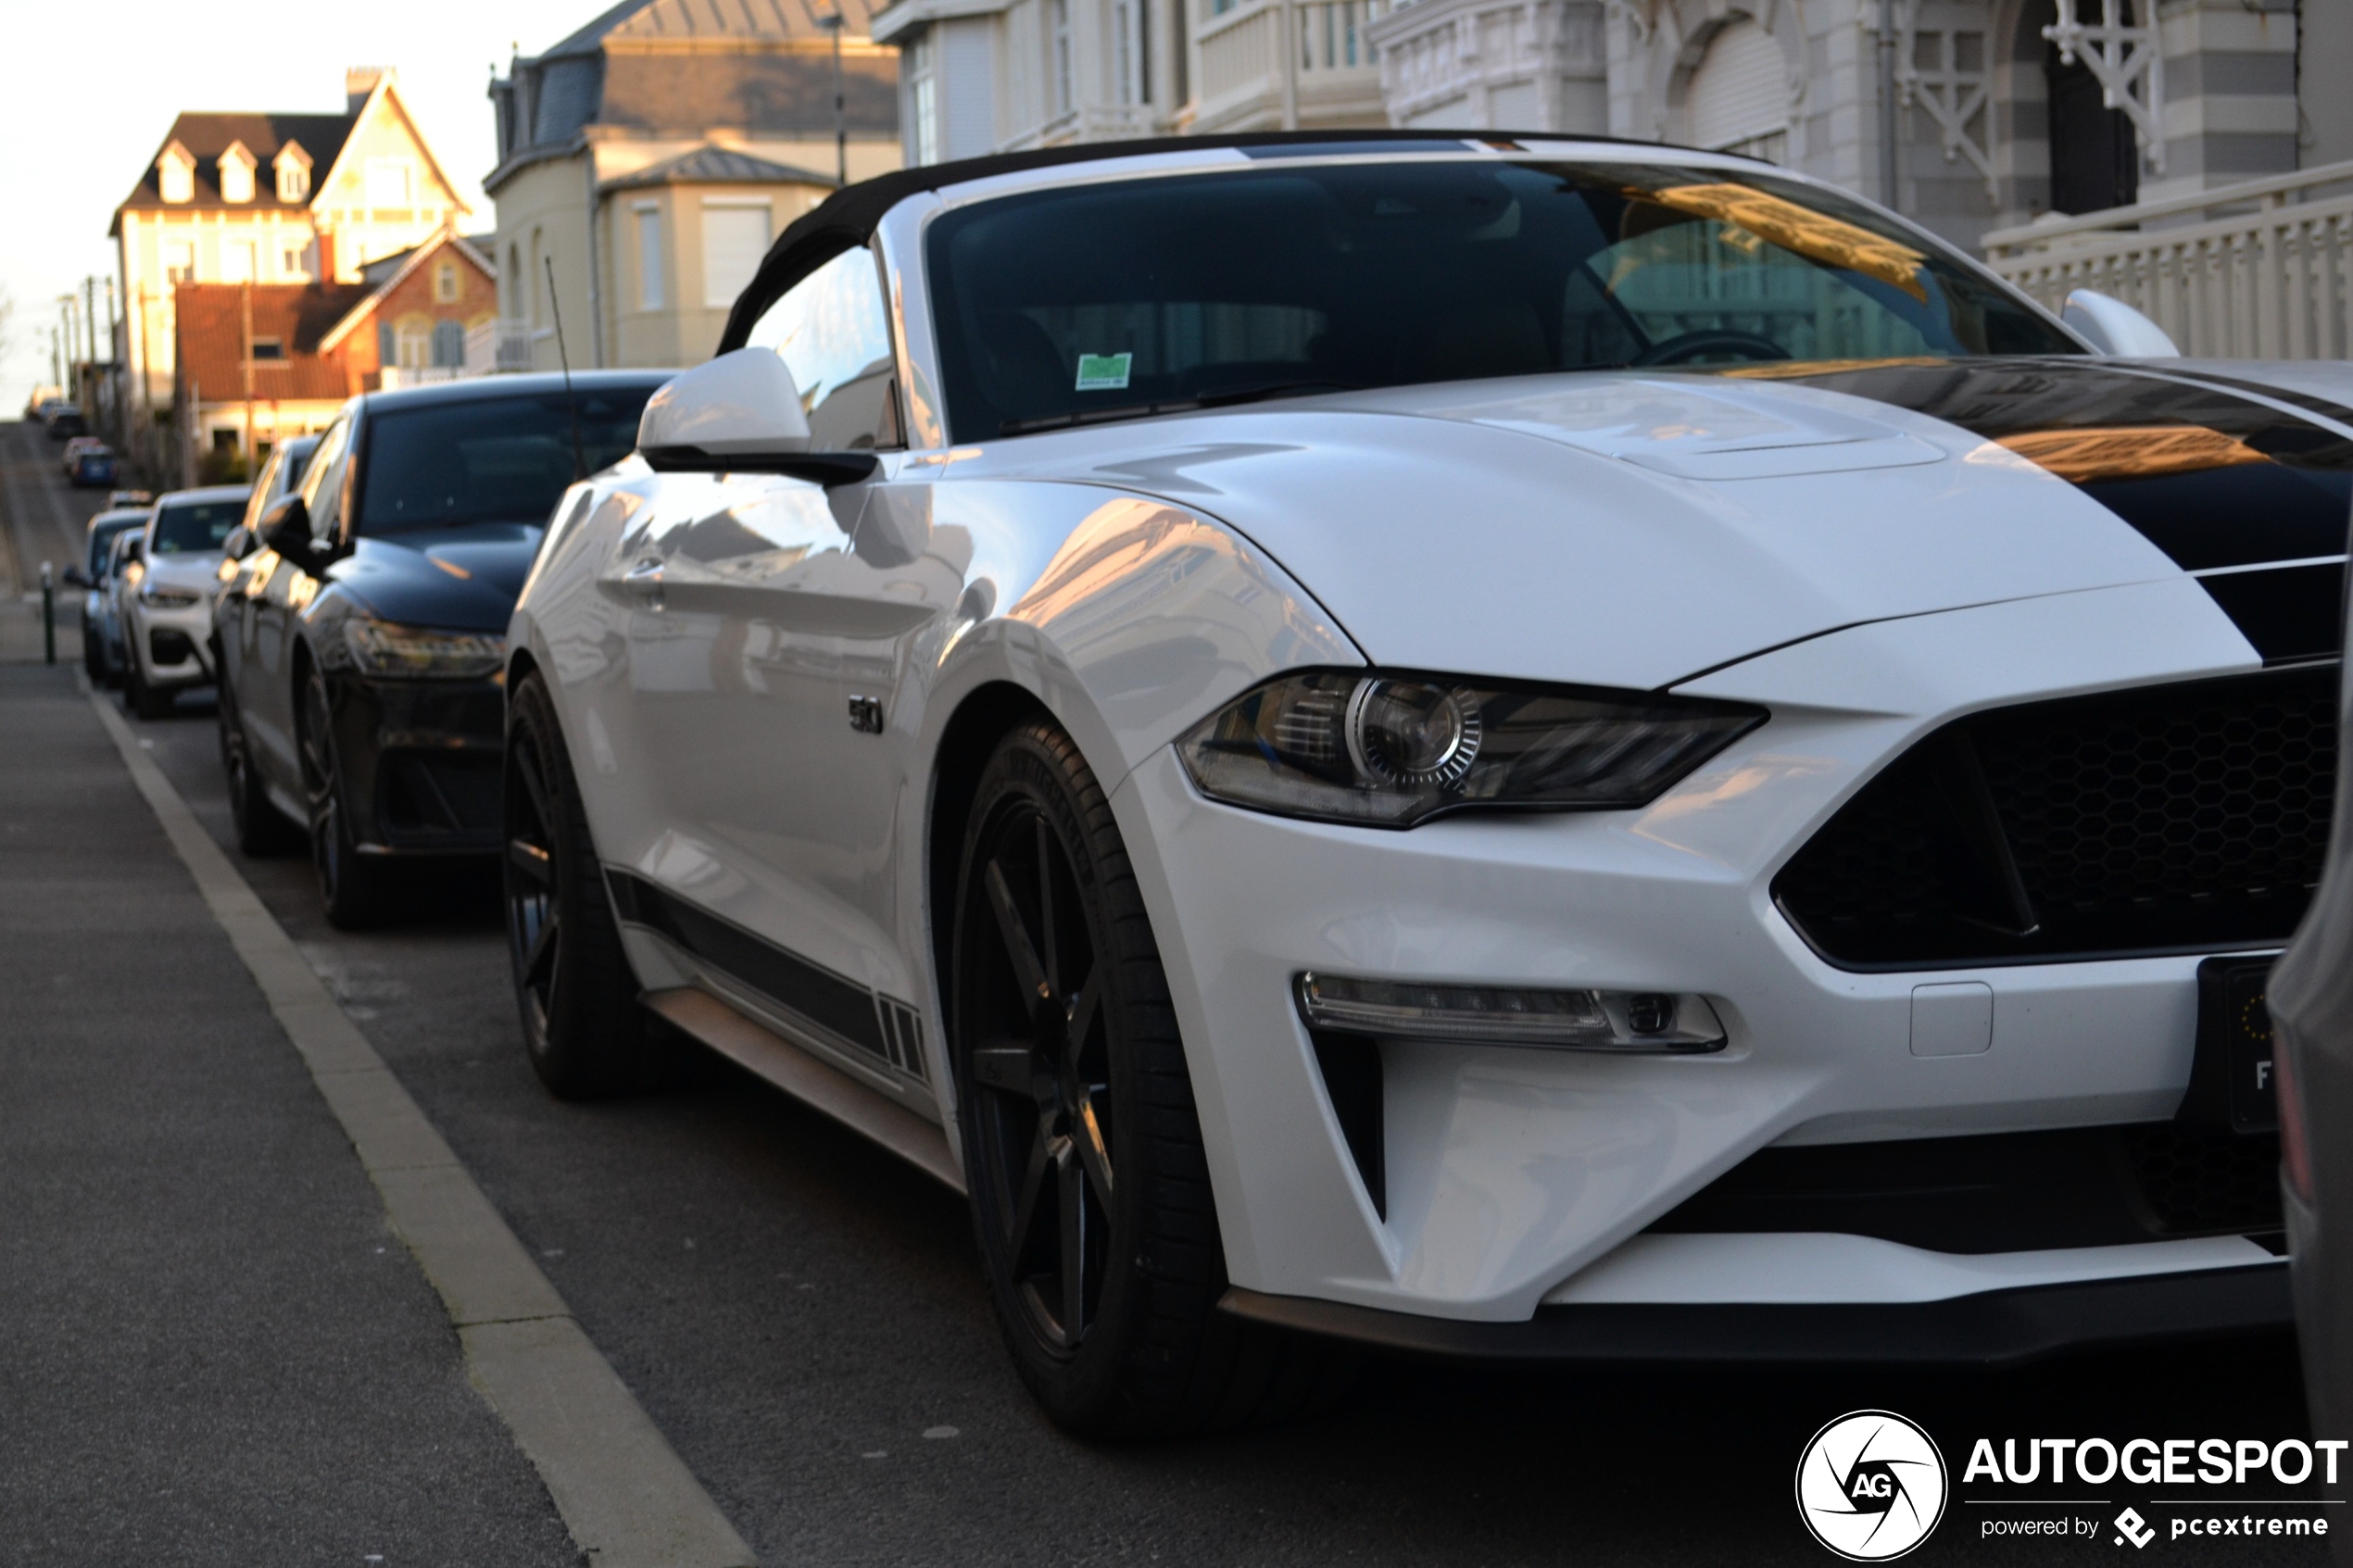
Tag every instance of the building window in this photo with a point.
(1738, 97)
(649, 294)
(444, 282)
(390, 182)
(413, 342)
(237, 261)
(295, 259)
(735, 239)
(923, 91)
(1062, 97)
(387, 346)
(236, 175)
(176, 178)
(294, 182)
(448, 345)
(179, 260)
(1131, 51)
(269, 349)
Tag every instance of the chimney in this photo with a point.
(358, 83)
(326, 259)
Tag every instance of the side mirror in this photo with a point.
(285, 528)
(739, 414)
(2116, 329)
(74, 577)
(240, 542)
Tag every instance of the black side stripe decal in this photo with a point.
(2291, 503)
(852, 1014)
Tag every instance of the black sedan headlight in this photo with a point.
(1390, 749)
(381, 648)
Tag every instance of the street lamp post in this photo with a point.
(833, 24)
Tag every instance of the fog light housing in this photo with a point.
(1643, 1021)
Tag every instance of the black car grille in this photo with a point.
(424, 800)
(2165, 818)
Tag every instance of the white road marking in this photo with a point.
(624, 1495)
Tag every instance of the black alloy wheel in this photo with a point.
(1082, 1149)
(261, 828)
(94, 655)
(140, 698)
(356, 889)
(581, 1026)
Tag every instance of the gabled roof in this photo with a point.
(709, 165)
(365, 304)
(212, 343)
(207, 136)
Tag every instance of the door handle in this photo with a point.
(645, 581)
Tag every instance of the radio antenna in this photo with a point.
(579, 456)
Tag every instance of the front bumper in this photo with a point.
(421, 762)
(1509, 1176)
(171, 644)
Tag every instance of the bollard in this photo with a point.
(48, 616)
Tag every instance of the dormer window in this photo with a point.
(176, 174)
(236, 174)
(293, 167)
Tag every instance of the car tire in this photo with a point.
(358, 890)
(93, 655)
(141, 698)
(262, 829)
(585, 1035)
(1110, 1307)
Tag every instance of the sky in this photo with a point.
(84, 107)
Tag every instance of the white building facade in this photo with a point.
(1968, 115)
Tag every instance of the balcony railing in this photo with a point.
(1290, 64)
(2259, 270)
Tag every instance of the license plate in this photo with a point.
(2232, 1083)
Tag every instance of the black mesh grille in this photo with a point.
(2167, 818)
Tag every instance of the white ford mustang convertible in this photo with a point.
(1505, 747)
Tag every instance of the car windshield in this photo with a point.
(197, 528)
(489, 460)
(1112, 300)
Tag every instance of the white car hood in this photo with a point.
(191, 572)
(1629, 529)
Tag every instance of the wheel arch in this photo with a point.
(983, 717)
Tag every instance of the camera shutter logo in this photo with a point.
(1870, 1485)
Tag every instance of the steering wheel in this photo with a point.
(1684, 347)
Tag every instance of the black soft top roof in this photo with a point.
(847, 218)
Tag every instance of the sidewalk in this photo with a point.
(215, 1349)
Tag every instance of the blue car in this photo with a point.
(93, 468)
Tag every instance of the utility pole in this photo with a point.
(833, 24)
(245, 366)
(89, 314)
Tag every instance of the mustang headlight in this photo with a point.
(379, 647)
(167, 598)
(1391, 751)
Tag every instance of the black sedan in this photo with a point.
(361, 645)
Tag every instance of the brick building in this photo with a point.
(261, 362)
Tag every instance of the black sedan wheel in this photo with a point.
(581, 1021)
(1089, 1189)
(357, 889)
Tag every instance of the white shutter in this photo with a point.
(734, 240)
(1740, 91)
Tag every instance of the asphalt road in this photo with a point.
(802, 1316)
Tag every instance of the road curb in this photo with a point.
(628, 1498)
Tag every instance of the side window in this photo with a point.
(264, 487)
(323, 486)
(834, 336)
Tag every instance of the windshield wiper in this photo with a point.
(1216, 397)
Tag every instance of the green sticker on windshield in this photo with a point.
(1103, 372)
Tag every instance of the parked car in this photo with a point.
(167, 613)
(361, 650)
(65, 421)
(2310, 1092)
(93, 466)
(73, 450)
(89, 575)
(1571, 749)
(37, 403)
(129, 498)
(120, 578)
